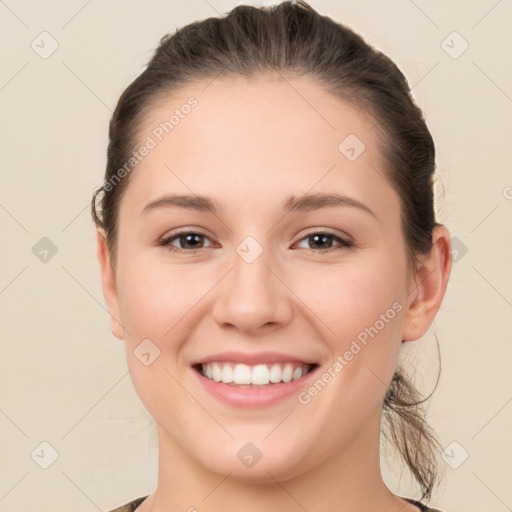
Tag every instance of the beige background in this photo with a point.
(63, 375)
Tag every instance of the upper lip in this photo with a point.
(250, 359)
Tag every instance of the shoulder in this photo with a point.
(130, 507)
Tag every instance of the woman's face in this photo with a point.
(265, 280)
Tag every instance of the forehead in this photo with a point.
(253, 139)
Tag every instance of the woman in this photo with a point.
(267, 241)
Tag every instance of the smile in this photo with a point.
(238, 374)
(253, 386)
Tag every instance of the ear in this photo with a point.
(108, 281)
(428, 286)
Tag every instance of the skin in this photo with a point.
(249, 145)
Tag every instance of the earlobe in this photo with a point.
(108, 282)
(428, 287)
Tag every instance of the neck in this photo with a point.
(346, 480)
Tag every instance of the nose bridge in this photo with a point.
(252, 296)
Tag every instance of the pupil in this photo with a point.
(188, 237)
(316, 237)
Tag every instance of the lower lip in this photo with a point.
(254, 397)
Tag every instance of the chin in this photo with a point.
(256, 462)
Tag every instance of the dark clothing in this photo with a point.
(130, 507)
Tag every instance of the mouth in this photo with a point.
(260, 375)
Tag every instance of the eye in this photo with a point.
(191, 241)
(323, 238)
(186, 238)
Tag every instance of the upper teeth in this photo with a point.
(259, 374)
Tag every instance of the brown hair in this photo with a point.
(293, 38)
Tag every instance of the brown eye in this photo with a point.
(325, 241)
(190, 241)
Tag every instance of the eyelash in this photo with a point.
(345, 244)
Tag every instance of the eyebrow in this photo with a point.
(292, 204)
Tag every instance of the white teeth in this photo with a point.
(217, 372)
(227, 374)
(287, 373)
(242, 374)
(275, 373)
(258, 375)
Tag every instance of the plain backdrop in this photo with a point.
(66, 398)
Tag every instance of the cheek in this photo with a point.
(360, 306)
(154, 298)
(361, 316)
(350, 298)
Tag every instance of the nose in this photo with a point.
(253, 297)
